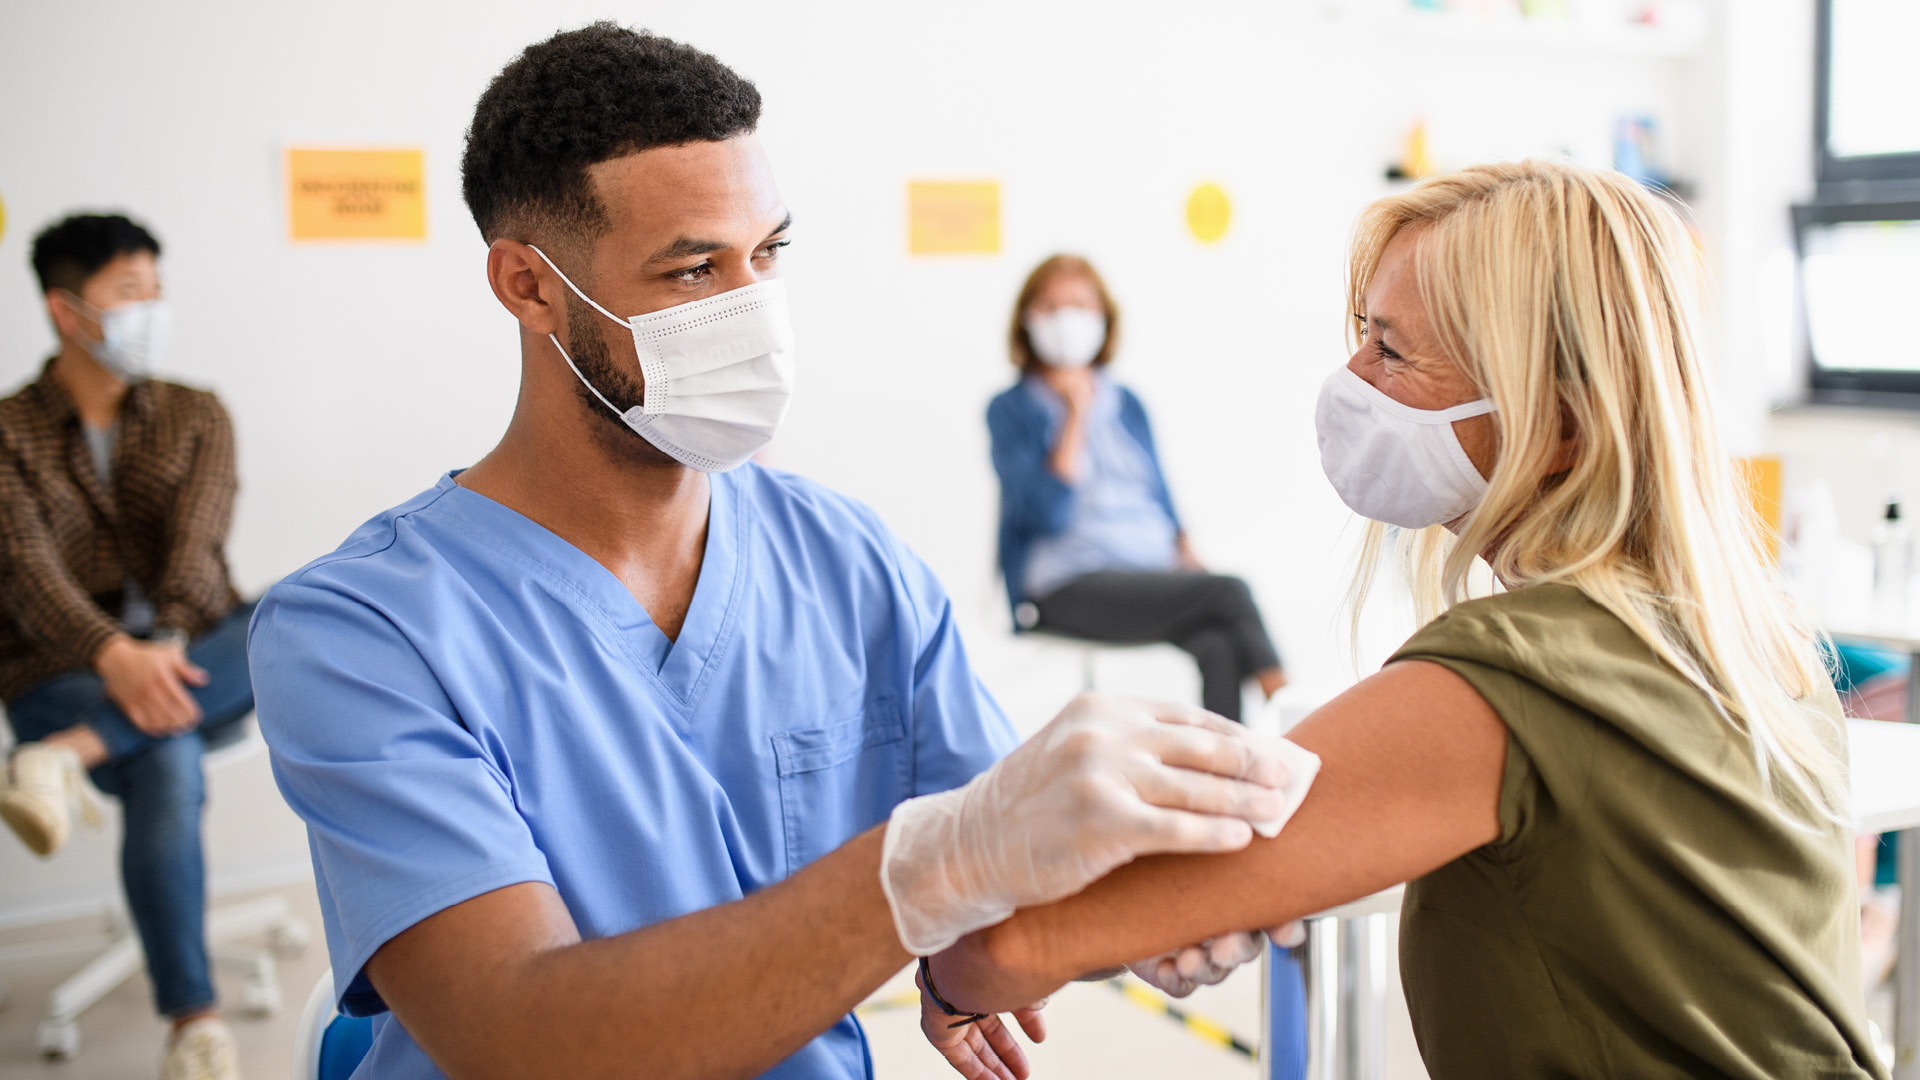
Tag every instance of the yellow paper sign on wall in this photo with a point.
(1763, 490)
(953, 217)
(356, 194)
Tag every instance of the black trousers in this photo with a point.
(1211, 616)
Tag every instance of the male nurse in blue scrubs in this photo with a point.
(621, 755)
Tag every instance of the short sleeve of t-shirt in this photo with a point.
(1494, 651)
(406, 813)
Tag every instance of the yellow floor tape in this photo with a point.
(907, 999)
(1208, 1031)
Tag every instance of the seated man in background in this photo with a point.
(619, 754)
(122, 641)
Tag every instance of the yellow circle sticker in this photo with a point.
(3, 219)
(1208, 213)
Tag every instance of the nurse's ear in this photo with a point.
(527, 287)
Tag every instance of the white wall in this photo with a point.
(357, 374)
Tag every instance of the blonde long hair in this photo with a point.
(1567, 295)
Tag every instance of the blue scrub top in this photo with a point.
(457, 700)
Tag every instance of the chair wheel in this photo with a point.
(261, 998)
(289, 938)
(59, 1041)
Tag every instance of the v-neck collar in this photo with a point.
(683, 668)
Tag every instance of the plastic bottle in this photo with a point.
(1892, 564)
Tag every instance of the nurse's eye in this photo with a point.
(693, 275)
(1362, 320)
(1387, 354)
(771, 251)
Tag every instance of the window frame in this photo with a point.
(1830, 170)
(1851, 386)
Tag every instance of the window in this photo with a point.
(1859, 240)
(1865, 124)
(1859, 266)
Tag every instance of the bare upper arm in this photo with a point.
(445, 976)
(1412, 760)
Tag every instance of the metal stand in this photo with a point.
(1347, 953)
(1906, 969)
(1323, 1000)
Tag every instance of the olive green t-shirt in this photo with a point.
(1645, 912)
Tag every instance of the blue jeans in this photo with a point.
(160, 787)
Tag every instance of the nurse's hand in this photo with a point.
(1184, 970)
(1108, 780)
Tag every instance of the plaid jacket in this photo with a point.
(67, 545)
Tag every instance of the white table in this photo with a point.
(1348, 947)
(1886, 782)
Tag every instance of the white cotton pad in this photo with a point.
(1302, 766)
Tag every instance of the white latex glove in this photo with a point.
(1184, 970)
(1106, 781)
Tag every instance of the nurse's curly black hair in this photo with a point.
(579, 98)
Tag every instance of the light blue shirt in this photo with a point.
(1118, 521)
(458, 700)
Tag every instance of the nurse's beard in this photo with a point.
(625, 389)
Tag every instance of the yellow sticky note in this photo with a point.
(356, 194)
(3, 219)
(953, 217)
(1208, 213)
(1763, 490)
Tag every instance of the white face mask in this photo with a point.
(1392, 462)
(1067, 336)
(134, 337)
(718, 371)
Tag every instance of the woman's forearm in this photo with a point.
(1069, 450)
(1410, 779)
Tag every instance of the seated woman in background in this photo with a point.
(1089, 543)
(1619, 786)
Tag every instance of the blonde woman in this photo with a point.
(1618, 785)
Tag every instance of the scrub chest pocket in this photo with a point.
(842, 779)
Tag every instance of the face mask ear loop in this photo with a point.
(583, 378)
(576, 291)
(74, 298)
(556, 341)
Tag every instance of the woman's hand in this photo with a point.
(1074, 385)
(992, 971)
(1185, 557)
(986, 1048)
(1067, 459)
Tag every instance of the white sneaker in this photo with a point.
(202, 1050)
(47, 783)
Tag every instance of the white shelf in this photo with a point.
(1683, 40)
